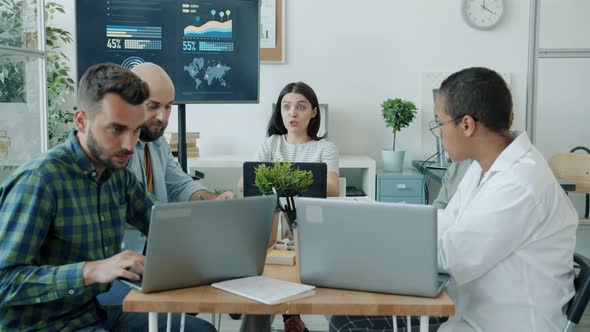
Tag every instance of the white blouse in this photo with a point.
(276, 148)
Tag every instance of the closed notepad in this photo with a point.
(266, 290)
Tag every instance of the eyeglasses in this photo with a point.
(436, 125)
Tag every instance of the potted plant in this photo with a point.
(398, 114)
(288, 183)
(286, 180)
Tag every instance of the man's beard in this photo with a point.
(148, 135)
(97, 152)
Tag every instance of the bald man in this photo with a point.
(153, 163)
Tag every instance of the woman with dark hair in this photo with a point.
(276, 126)
(293, 133)
(293, 137)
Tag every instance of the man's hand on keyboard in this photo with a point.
(127, 264)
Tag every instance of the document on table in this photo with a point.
(266, 290)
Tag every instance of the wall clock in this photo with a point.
(482, 14)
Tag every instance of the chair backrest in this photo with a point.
(578, 303)
(574, 168)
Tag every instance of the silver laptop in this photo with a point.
(376, 247)
(197, 243)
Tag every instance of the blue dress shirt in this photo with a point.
(171, 184)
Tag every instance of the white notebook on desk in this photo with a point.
(266, 290)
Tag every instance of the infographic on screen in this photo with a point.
(209, 48)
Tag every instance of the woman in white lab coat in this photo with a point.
(507, 236)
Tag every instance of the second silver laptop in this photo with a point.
(378, 247)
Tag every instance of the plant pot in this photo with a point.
(393, 160)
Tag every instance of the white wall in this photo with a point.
(562, 112)
(356, 55)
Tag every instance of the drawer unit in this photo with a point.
(401, 187)
(406, 186)
(398, 199)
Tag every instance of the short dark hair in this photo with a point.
(103, 78)
(276, 125)
(481, 93)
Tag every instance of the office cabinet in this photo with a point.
(406, 186)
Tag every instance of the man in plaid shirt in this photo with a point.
(62, 217)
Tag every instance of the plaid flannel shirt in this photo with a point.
(56, 213)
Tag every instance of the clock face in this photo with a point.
(482, 14)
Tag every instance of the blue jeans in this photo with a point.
(119, 321)
(115, 295)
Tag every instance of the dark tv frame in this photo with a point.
(188, 102)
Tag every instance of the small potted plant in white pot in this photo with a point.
(398, 114)
(289, 182)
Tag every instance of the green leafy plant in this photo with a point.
(287, 180)
(398, 114)
(12, 80)
(12, 20)
(14, 14)
(60, 86)
(12, 68)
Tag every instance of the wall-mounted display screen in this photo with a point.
(209, 48)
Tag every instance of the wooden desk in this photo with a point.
(325, 302)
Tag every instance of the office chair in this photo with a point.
(577, 304)
(574, 168)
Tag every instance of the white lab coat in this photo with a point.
(508, 240)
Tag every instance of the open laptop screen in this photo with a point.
(317, 189)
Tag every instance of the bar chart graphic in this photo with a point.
(130, 31)
(216, 46)
(143, 44)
